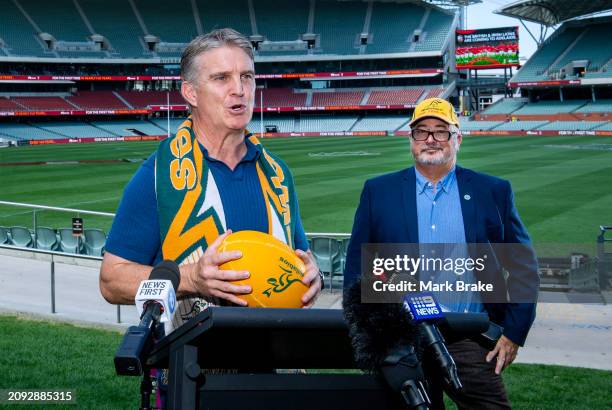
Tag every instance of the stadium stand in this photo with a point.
(43, 103)
(519, 125)
(325, 99)
(18, 34)
(7, 104)
(571, 125)
(596, 106)
(550, 107)
(274, 23)
(115, 20)
(130, 128)
(505, 106)
(284, 124)
(407, 96)
(332, 40)
(557, 43)
(94, 100)
(170, 21)
(434, 92)
(587, 46)
(380, 123)
(435, 32)
(142, 99)
(392, 25)
(74, 129)
(467, 125)
(222, 13)
(605, 127)
(280, 97)
(27, 132)
(162, 123)
(321, 123)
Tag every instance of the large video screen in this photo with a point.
(487, 48)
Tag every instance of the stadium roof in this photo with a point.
(551, 12)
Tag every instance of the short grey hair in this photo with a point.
(205, 42)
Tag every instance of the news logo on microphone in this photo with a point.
(422, 306)
(160, 291)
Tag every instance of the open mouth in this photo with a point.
(238, 108)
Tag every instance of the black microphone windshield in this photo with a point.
(167, 270)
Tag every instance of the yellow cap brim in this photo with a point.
(439, 117)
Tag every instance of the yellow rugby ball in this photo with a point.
(276, 270)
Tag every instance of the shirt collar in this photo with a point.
(252, 154)
(444, 184)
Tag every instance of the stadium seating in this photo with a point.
(27, 132)
(74, 129)
(283, 124)
(46, 239)
(115, 20)
(550, 107)
(519, 125)
(18, 34)
(406, 96)
(605, 127)
(96, 100)
(571, 125)
(327, 252)
(477, 125)
(142, 99)
(162, 123)
(392, 25)
(21, 237)
(10, 105)
(128, 128)
(94, 242)
(534, 68)
(333, 40)
(434, 92)
(437, 29)
(282, 21)
(325, 99)
(380, 123)
(68, 242)
(596, 106)
(222, 13)
(280, 97)
(4, 237)
(170, 21)
(587, 47)
(43, 103)
(505, 106)
(322, 123)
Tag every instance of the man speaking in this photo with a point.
(209, 179)
(438, 202)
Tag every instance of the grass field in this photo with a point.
(40, 355)
(561, 184)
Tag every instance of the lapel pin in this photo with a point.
(467, 197)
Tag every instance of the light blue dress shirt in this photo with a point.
(440, 221)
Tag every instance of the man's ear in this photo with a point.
(189, 93)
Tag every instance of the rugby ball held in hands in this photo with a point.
(276, 271)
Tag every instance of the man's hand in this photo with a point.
(208, 280)
(311, 278)
(506, 351)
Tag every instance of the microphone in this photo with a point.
(423, 308)
(386, 342)
(156, 302)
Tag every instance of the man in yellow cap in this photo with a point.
(438, 202)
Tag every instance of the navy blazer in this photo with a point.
(387, 213)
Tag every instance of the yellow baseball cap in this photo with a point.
(436, 108)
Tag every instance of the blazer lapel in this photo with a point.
(468, 203)
(410, 210)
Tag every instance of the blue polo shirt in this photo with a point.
(440, 221)
(135, 233)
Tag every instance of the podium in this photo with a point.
(254, 342)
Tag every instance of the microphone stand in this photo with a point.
(149, 320)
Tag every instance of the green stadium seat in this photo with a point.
(46, 238)
(327, 253)
(68, 242)
(21, 237)
(4, 239)
(95, 239)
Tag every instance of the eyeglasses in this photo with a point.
(439, 135)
